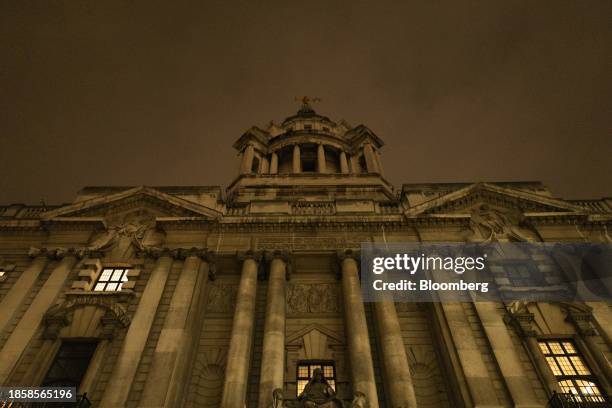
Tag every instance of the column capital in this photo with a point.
(522, 322)
(285, 256)
(250, 254)
(348, 253)
(583, 322)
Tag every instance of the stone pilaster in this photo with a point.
(506, 355)
(273, 352)
(360, 353)
(321, 165)
(168, 367)
(241, 343)
(118, 388)
(30, 322)
(522, 323)
(22, 288)
(297, 159)
(398, 379)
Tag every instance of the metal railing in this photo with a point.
(578, 401)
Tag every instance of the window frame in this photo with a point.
(573, 382)
(312, 364)
(110, 281)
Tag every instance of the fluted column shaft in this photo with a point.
(358, 340)
(273, 354)
(30, 322)
(398, 380)
(118, 388)
(321, 165)
(241, 343)
(167, 366)
(344, 167)
(297, 160)
(274, 163)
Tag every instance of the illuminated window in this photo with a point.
(305, 370)
(111, 280)
(2, 275)
(572, 373)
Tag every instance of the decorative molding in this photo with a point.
(313, 298)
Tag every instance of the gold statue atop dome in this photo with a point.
(306, 101)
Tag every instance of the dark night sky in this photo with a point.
(137, 92)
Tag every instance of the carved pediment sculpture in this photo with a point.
(495, 224)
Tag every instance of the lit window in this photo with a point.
(305, 370)
(2, 275)
(571, 370)
(111, 280)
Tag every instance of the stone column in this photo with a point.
(273, 351)
(274, 163)
(370, 158)
(22, 288)
(297, 160)
(265, 165)
(398, 379)
(247, 159)
(321, 165)
(344, 168)
(30, 322)
(167, 367)
(241, 343)
(506, 355)
(360, 354)
(118, 387)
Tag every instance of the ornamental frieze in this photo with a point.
(221, 297)
(313, 298)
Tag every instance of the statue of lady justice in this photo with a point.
(318, 393)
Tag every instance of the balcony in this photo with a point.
(578, 401)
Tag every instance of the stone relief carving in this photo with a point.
(128, 232)
(313, 298)
(221, 298)
(494, 224)
(288, 243)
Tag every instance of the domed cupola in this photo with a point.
(308, 147)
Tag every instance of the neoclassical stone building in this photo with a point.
(203, 297)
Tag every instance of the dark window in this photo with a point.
(255, 165)
(309, 158)
(362, 164)
(111, 279)
(70, 364)
(572, 373)
(305, 369)
(307, 127)
(522, 274)
(325, 128)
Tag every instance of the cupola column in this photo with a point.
(274, 163)
(344, 168)
(265, 165)
(321, 168)
(297, 160)
(247, 159)
(370, 158)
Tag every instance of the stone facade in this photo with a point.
(228, 291)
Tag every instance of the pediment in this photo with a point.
(146, 199)
(465, 200)
(297, 336)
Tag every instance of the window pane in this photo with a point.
(565, 365)
(106, 274)
(569, 347)
(553, 365)
(117, 275)
(544, 348)
(555, 347)
(579, 365)
(300, 386)
(99, 286)
(328, 371)
(111, 287)
(303, 372)
(124, 278)
(568, 387)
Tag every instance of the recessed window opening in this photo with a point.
(306, 369)
(111, 279)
